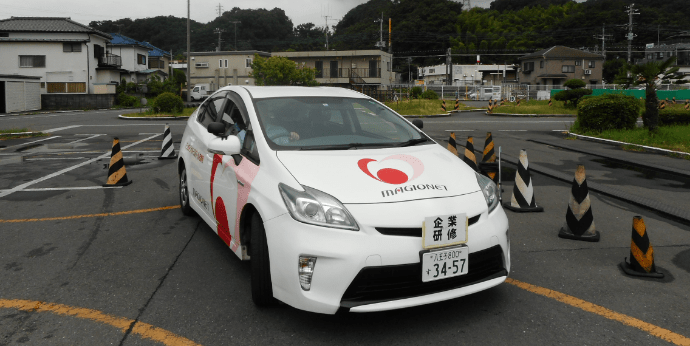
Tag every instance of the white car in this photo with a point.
(339, 202)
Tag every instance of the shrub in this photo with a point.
(131, 87)
(429, 95)
(125, 100)
(574, 84)
(610, 111)
(572, 96)
(167, 102)
(673, 117)
(416, 91)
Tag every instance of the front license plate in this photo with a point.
(444, 263)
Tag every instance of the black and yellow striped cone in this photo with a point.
(687, 105)
(452, 146)
(579, 220)
(167, 149)
(518, 103)
(457, 104)
(443, 105)
(488, 166)
(117, 175)
(550, 103)
(523, 192)
(641, 253)
(674, 100)
(469, 157)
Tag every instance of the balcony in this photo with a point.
(348, 73)
(109, 60)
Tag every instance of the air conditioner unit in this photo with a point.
(588, 71)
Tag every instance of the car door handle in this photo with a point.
(241, 183)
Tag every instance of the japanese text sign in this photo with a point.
(444, 230)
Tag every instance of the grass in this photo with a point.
(535, 107)
(675, 138)
(5, 134)
(150, 114)
(423, 107)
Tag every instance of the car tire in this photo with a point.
(184, 194)
(262, 289)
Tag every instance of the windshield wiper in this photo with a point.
(344, 146)
(412, 142)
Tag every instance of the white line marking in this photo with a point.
(54, 158)
(171, 124)
(147, 134)
(512, 130)
(459, 130)
(23, 144)
(83, 139)
(23, 186)
(60, 128)
(71, 188)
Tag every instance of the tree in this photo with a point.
(575, 93)
(278, 70)
(649, 75)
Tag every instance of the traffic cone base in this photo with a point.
(641, 253)
(563, 233)
(522, 209)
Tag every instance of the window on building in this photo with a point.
(69, 47)
(432, 70)
(56, 88)
(528, 66)
(32, 61)
(388, 65)
(226, 62)
(668, 54)
(568, 69)
(659, 55)
(591, 64)
(4, 34)
(141, 59)
(248, 62)
(220, 62)
(541, 64)
(76, 87)
(578, 62)
(650, 56)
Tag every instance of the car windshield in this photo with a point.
(328, 123)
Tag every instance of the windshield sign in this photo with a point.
(326, 123)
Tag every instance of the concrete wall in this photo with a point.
(76, 101)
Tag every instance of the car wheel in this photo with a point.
(184, 194)
(262, 291)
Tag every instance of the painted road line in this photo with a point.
(143, 330)
(70, 188)
(60, 129)
(459, 130)
(54, 158)
(107, 154)
(512, 130)
(72, 217)
(657, 331)
(130, 125)
(25, 144)
(84, 139)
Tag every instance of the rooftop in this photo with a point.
(47, 24)
(562, 52)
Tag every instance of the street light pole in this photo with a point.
(189, 59)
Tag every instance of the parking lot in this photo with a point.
(81, 264)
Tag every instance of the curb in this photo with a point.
(427, 116)
(610, 141)
(531, 115)
(467, 110)
(665, 209)
(151, 118)
(668, 170)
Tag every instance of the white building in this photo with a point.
(69, 58)
(140, 60)
(469, 74)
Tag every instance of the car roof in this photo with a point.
(298, 91)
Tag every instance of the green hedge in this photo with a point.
(606, 112)
(125, 100)
(429, 95)
(167, 102)
(673, 117)
(573, 96)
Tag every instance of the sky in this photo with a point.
(85, 11)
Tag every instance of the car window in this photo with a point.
(324, 122)
(211, 109)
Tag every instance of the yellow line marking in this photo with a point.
(141, 329)
(659, 332)
(72, 217)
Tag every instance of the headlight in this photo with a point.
(317, 208)
(489, 190)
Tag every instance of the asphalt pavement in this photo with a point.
(84, 265)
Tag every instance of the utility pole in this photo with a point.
(220, 10)
(326, 17)
(380, 44)
(631, 12)
(189, 59)
(603, 37)
(218, 31)
(390, 38)
(449, 68)
(236, 22)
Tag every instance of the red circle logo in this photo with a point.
(391, 175)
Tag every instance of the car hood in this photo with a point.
(382, 175)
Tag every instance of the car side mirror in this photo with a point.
(418, 123)
(217, 129)
(225, 146)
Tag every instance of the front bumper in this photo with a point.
(368, 271)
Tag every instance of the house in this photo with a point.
(219, 69)
(135, 56)
(675, 46)
(555, 65)
(468, 75)
(370, 68)
(68, 57)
